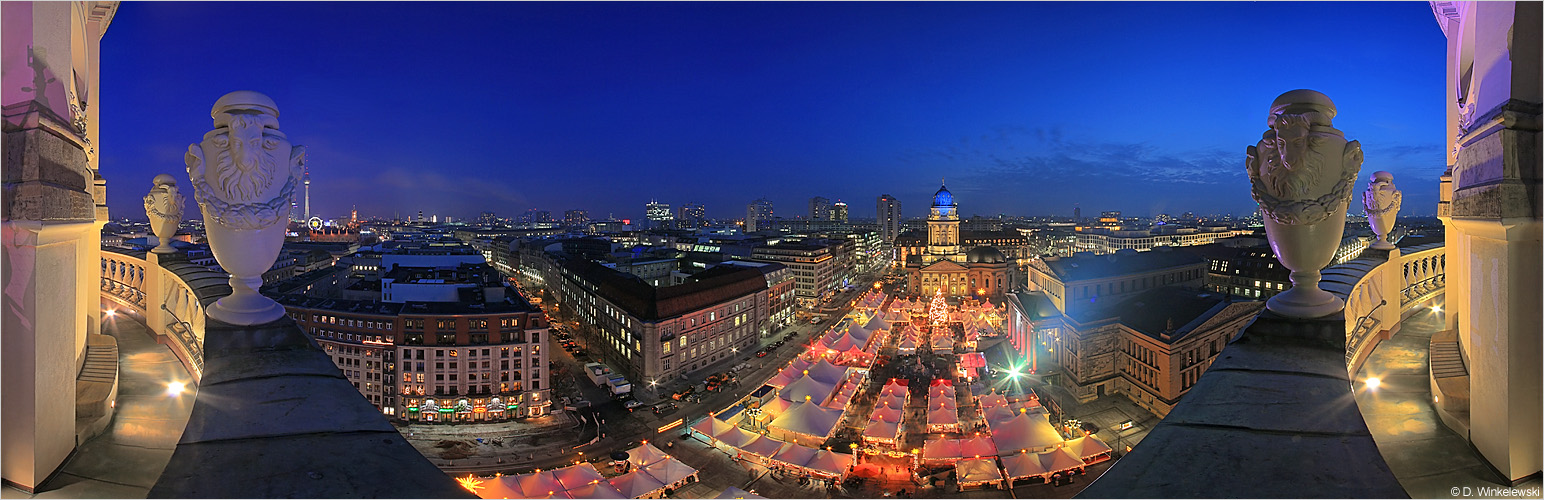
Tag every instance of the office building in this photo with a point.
(758, 215)
(888, 212)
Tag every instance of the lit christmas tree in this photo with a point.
(938, 312)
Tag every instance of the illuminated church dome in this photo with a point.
(943, 198)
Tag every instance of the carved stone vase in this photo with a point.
(1381, 201)
(164, 208)
(244, 174)
(1302, 173)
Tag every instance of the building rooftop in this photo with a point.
(512, 303)
(1170, 313)
(640, 299)
(1087, 267)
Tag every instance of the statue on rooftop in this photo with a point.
(1302, 172)
(244, 175)
(163, 205)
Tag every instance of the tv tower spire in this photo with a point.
(308, 192)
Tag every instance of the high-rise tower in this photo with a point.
(308, 193)
(820, 208)
(888, 212)
(758, 215)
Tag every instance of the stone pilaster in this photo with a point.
(1491, 209)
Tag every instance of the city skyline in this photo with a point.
(604, 107)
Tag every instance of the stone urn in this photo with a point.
(244, 175)
(1381, 201)
(1302, 173)
(164, 208)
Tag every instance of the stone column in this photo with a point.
(1493, 222)
(53, 208)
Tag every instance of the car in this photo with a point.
(632, 404)
(762, 353)
(777, 344)
(663, 408)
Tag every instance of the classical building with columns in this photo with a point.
(982, 271)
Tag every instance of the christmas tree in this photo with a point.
(938, 312)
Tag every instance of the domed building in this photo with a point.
(980, 272)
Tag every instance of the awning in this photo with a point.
(1025, 432)
(636, 484)
(1023, 465)
(941, 449)
(737, 437)
(880, 429)
(712, 427)
(830, 463)
(670, 471)
(578, 475)
(1087, 447)
(600, 490)
(943, 416)
(537, 484)
(886, 414)
(978, 446)
(977, 471)
(646, 455)
(1059, 460)
(795, 455)
(763, 446)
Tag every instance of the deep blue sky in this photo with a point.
(1026, 108)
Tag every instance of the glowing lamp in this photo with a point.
(110, 313)
(1373, 382)
(175, 388)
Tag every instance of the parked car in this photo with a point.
(762, 353)
(663, 408)
(632, 404)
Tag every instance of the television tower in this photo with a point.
(308, 193)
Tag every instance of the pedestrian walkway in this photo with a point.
(126, 460)
(1429, 459)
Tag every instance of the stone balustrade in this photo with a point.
(1275, 415)
(274, 417)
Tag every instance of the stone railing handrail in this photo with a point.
(168, 293)
(1414, 274)
(1279, 398)
(274, 417)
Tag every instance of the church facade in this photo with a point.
(981, 272)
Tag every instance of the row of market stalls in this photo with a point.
(884, 425)
(1019, 443)
(652, 474)
(942, 409)
(772, 452)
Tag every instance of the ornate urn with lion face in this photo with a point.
(163, 205)
(1381, 201)
(244, 175)
(1302, 173)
